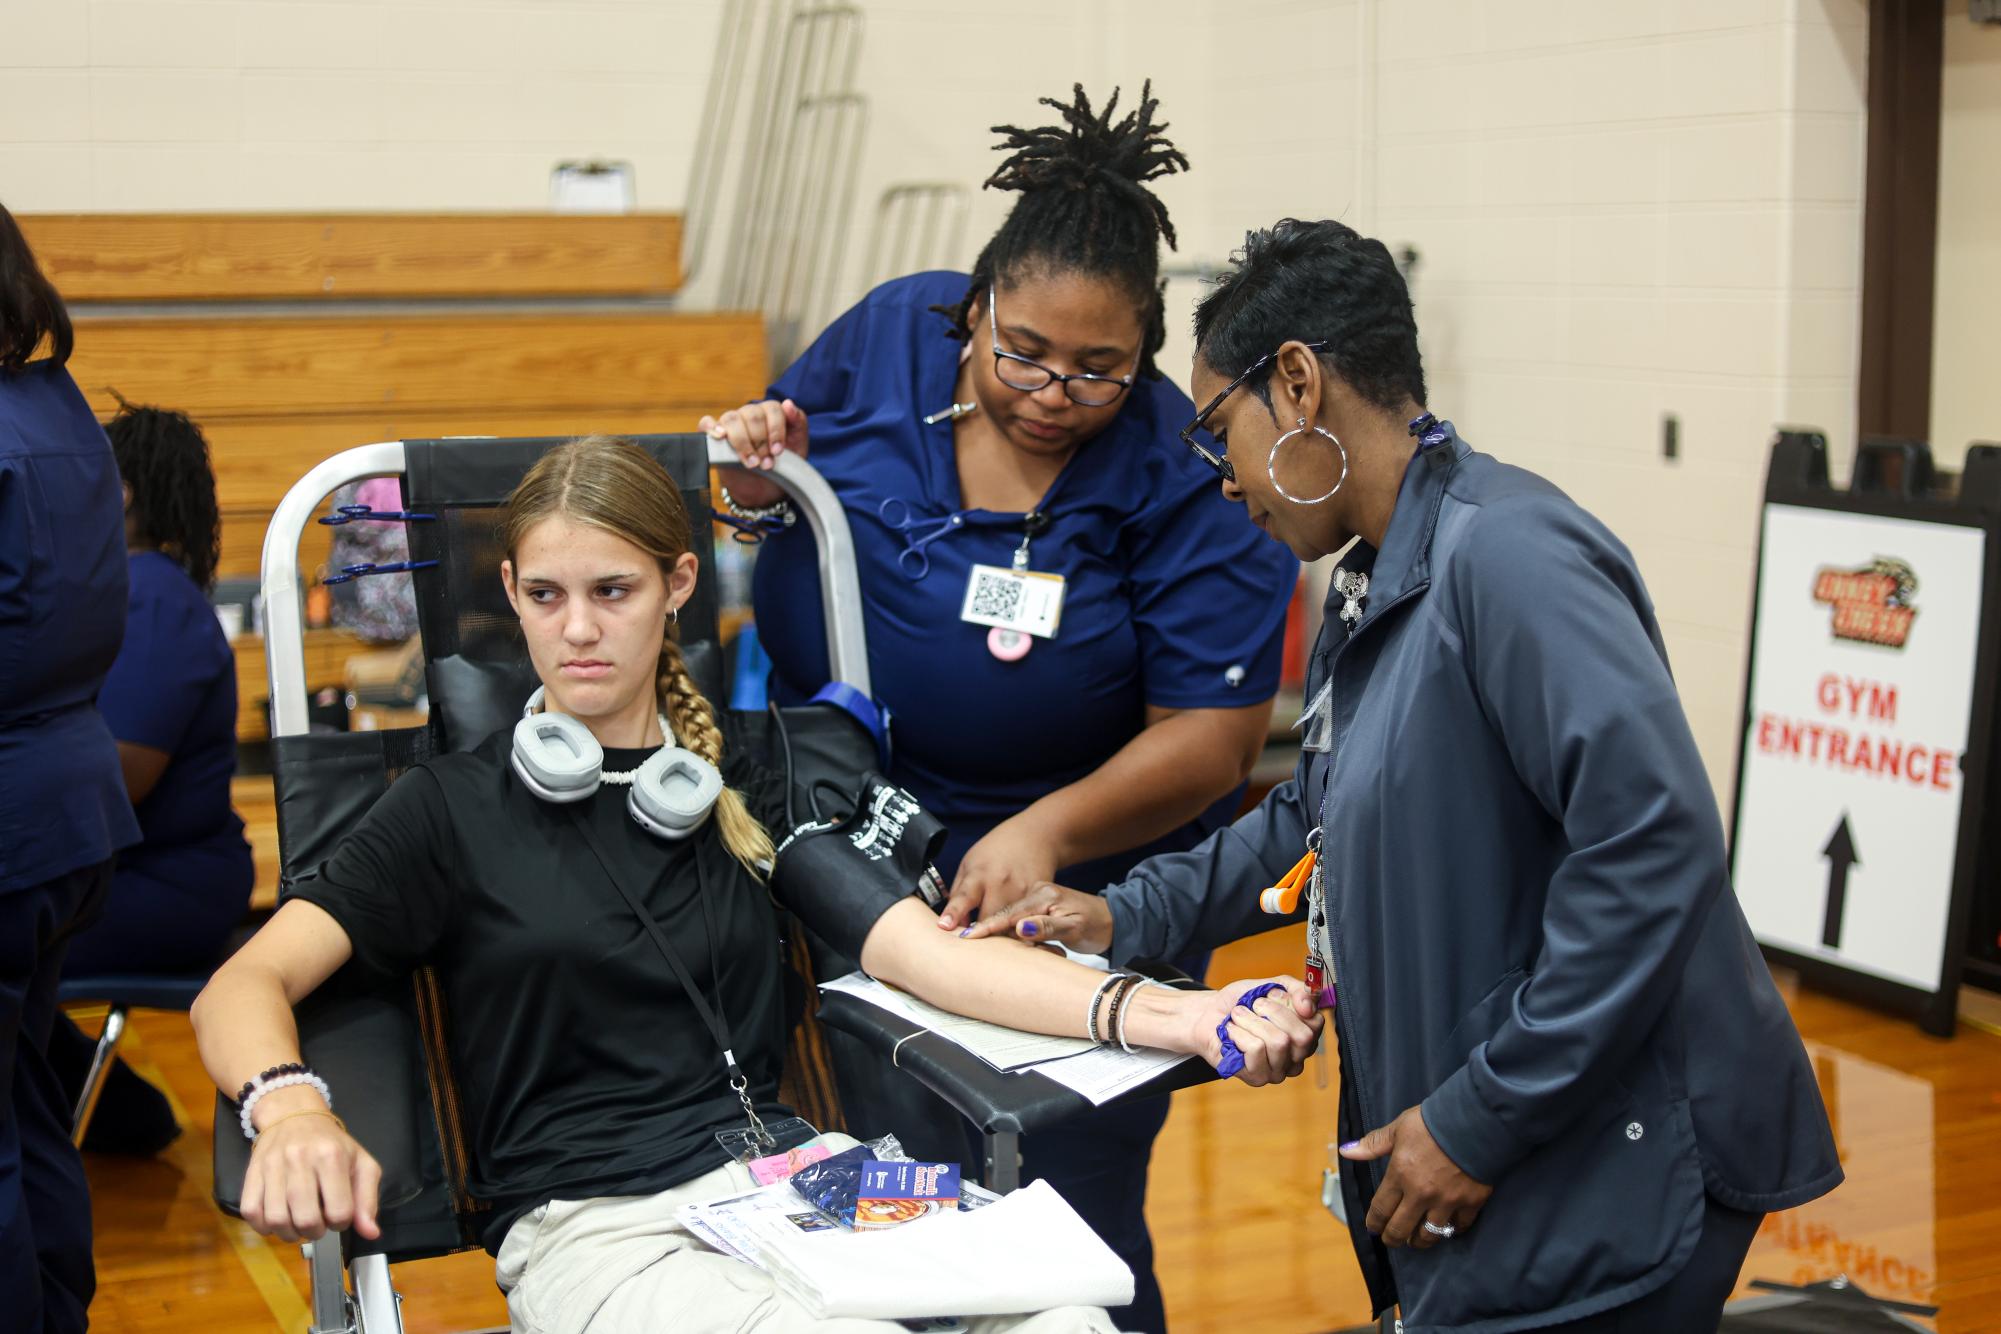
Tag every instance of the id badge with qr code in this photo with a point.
(1024, 600)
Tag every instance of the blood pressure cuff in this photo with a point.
(839, 876)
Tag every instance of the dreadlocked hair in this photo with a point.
(1084, 207)
(163, 457)
(614, 485)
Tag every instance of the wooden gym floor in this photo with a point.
(1243, 1244)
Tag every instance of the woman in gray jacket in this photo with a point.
(1570, 1091)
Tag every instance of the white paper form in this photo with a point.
(1107, 1072)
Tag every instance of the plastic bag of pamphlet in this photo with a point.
(833, 1185)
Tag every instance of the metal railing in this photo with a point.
(783, 125)
(919, 225)
(712, 137)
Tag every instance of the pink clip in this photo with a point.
(1008, 645)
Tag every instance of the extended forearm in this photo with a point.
(1011, 983)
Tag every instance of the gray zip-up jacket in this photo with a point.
(1533, 931)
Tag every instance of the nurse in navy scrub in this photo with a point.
(1077, 640)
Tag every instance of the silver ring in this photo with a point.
(1447, 1231)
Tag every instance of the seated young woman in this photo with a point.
(593, 1081)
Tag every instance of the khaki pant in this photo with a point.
(626, 1266)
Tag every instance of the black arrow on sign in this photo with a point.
(1840, 854)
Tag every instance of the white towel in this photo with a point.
(943, 1265)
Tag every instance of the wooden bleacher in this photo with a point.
(278, 387)
(290, 337)
(309, 256)
(277, 394)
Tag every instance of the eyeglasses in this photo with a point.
(1221, 462)
(1018, 372)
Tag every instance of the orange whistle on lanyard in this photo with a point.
(1282, 899)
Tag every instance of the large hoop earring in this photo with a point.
(1271, 463)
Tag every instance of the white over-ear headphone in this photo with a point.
(558, 759)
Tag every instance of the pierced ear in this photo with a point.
(1304, 380)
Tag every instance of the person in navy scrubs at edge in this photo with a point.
(1569, 1088)
(63, 812)
(1013, 418)
(170, 701)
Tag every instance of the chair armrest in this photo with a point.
(997, 1103)
(362, 1044)
(229, 1155)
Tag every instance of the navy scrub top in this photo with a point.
(174, 688)
(62, 615)
(1172, 598)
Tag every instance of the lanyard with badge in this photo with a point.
(1316, 729)
(1017, 604)
(754, 1139)
(1282, 899)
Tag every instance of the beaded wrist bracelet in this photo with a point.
(268, 1082)
(1117, 1003)
(780, 509)
(1091, 1013)
(1125, 1004)
(250, 1085)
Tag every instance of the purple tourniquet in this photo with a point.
(1232, 1063)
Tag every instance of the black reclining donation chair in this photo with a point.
(383, 1048)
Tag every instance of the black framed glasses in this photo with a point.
(1086, 391)
(1221, 462)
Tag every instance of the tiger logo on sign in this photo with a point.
(1872, 605)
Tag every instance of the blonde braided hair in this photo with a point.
(613, 484)
(694, 722)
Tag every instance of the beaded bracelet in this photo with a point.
(1117, 1003)
(1091, 1013)
(264, 1086)
(290, 1068)
(780, 509)
(1119, 1020)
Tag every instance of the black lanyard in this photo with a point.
(712, 1017)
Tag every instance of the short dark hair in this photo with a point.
(163, 457)
(30, 309)
(1084, 208)
(1318, 282)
